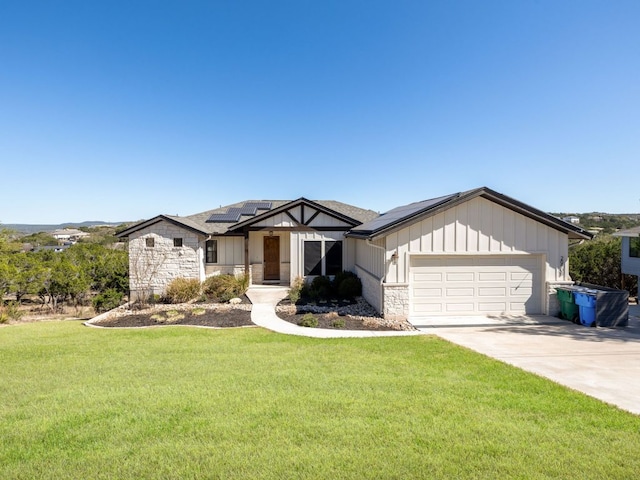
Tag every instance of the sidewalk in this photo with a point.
(263, 313)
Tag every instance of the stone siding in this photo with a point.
(552, 305)
(396, 301)
(151, 269)
(235, 270)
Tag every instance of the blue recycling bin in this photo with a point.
(586, 301)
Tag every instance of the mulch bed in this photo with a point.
(203, 315)
(358, 315)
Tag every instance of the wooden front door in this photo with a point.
(271, 259)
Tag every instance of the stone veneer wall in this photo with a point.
(235, 270)
(552, 305)
(151, 269)
(396, 301)
(371, 290)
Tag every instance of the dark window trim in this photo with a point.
(634, 247)
(213, 259)
(150, 242)
(177, 242)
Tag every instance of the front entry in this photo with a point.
(271, 259)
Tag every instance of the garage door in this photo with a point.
(457, 285)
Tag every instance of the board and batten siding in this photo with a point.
(283, 220)
(478, 226)
(230, 256)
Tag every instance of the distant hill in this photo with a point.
(29, 228)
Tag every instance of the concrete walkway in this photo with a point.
(601, 362)
(266, 297)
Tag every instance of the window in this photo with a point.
(322, 257)
(634, 247)
(150, 242)
(212, 251)
(312, 258)
(177, 242)
(333, 257)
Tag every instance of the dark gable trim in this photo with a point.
(287, 206)
(301, 228)
(488, 194)
(153, 221)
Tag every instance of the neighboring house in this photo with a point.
(571, 219)
(630, 261)
(475, 252)
(68, 234)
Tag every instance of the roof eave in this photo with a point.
(294, 203)
(157, 219)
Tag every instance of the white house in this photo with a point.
(474, 252)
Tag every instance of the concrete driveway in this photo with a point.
(601, 362)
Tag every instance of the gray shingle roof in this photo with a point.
(198, 221)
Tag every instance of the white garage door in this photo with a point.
(465, 285)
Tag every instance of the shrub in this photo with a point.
(10, 311)
(182, 290)
(107, 300)
(350, 288)
(308, 320)
(347, 285)
(225, 287)
(296, 289)
(338, 323)
(319, 289)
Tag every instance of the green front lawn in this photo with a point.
(176, 402)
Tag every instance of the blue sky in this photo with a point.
(124, 110)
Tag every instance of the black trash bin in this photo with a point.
(611, 305)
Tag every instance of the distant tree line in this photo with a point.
(598, 261)
(82, 273)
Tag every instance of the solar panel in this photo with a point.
(259, 205)
(400, 213)
(229, 217)
(233, 214)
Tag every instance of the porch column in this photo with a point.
(246, 254)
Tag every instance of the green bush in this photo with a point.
(10, 311)
(107, 300)
(182, 290)
(296, 289)
(319, 289)
(347, 285)
(308, 320)
(350, 288)
(225, 287)
(338, 323)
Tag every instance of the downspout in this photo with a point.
(384, 275)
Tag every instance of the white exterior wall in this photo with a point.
(371, 288)
(297, 249)
(284, 220)
(230, 256)
(630, 265)
(481, 227)
(256, 255)
(370, 267)
(151, 269)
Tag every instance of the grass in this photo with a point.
(177, 402)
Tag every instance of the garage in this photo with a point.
(471, 253)
(482, 285)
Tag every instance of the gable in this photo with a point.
(404, 216)
(300, 214)
(477, 226)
